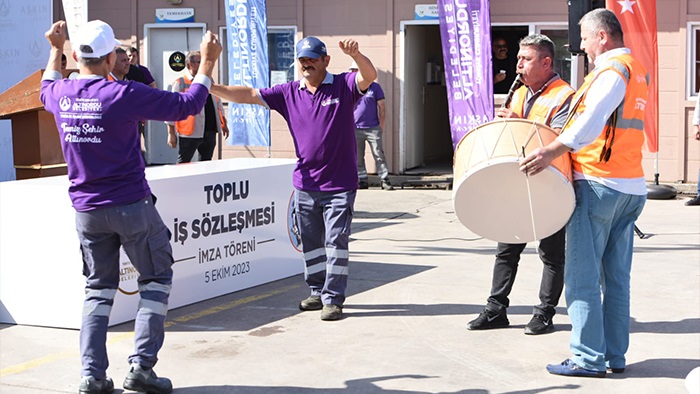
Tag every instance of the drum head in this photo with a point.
(495, 200)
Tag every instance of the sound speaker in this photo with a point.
(577, 9)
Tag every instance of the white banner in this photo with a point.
(23, 50)
(230, 221)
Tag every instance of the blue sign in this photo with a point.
(174, 15)
(246, 28)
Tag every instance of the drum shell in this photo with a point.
(494, 199)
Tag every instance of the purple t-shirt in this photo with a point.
(147, 76)
(323, 131)
(366, 115)
(97, 122)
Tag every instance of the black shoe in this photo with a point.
(693, 201)
(386, 185)
(145, 380)
(539, 324)
(489, 319)
(331, 312)
(311, 303)
(616, 370)
(90, 385)
(364, 185)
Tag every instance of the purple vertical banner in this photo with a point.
(465, 29)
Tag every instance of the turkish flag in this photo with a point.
(638, 20)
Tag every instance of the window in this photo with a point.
(557, 32)
(693, 84)
(562, 57)
(280, 46)
(280, 49)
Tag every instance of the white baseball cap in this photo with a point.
(353, 66)
(93, 40)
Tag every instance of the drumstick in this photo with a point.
(529, 199)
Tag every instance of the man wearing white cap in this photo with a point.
(98, 125)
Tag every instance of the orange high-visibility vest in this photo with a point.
(547, 104)
(622, 139)
(186, 126)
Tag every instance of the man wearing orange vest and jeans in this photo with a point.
(196, 133)
(545, 99)
(604, 134)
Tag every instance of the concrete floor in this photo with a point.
(417, 277)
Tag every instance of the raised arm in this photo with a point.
(210, 49)
(56, 36)
(366, 72)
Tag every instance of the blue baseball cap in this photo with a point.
(311, 47)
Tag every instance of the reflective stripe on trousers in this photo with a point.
(324, 220)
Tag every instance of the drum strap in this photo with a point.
(610, 126)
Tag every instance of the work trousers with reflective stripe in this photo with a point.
(324, 220)
(139, 229)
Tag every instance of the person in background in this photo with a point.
(64, 61)
(319, 112)
(136, 67)
(370, 113)
(197, 133)
(604, 134)
(543, 98)
(98, 124)
(121, 67)
(503, 66)
(696, 128)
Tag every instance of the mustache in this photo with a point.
(304, 68)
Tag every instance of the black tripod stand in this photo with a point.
(639, 232)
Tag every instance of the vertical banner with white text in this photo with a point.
(246, 27)
(23, 51)
(465, 29)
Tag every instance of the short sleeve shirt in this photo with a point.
(323, 130)
(366, 115)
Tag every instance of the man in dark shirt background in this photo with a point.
(503, 66)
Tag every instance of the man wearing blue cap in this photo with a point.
(319, 112)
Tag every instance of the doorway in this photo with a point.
(161, 40)
(424, 127)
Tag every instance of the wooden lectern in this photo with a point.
(35, 139)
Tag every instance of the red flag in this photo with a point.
(638, 20)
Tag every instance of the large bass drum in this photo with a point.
(494, 199)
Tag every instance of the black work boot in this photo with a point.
(145, 380)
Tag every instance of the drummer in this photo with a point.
(544, 98)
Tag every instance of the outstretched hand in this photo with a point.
(349, 47)
(56, 35)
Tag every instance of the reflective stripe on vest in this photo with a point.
(546, 105)
(626, 137)
(185, 126)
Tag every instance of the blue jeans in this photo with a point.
(599, 244)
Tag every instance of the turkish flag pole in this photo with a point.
(638, 20)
